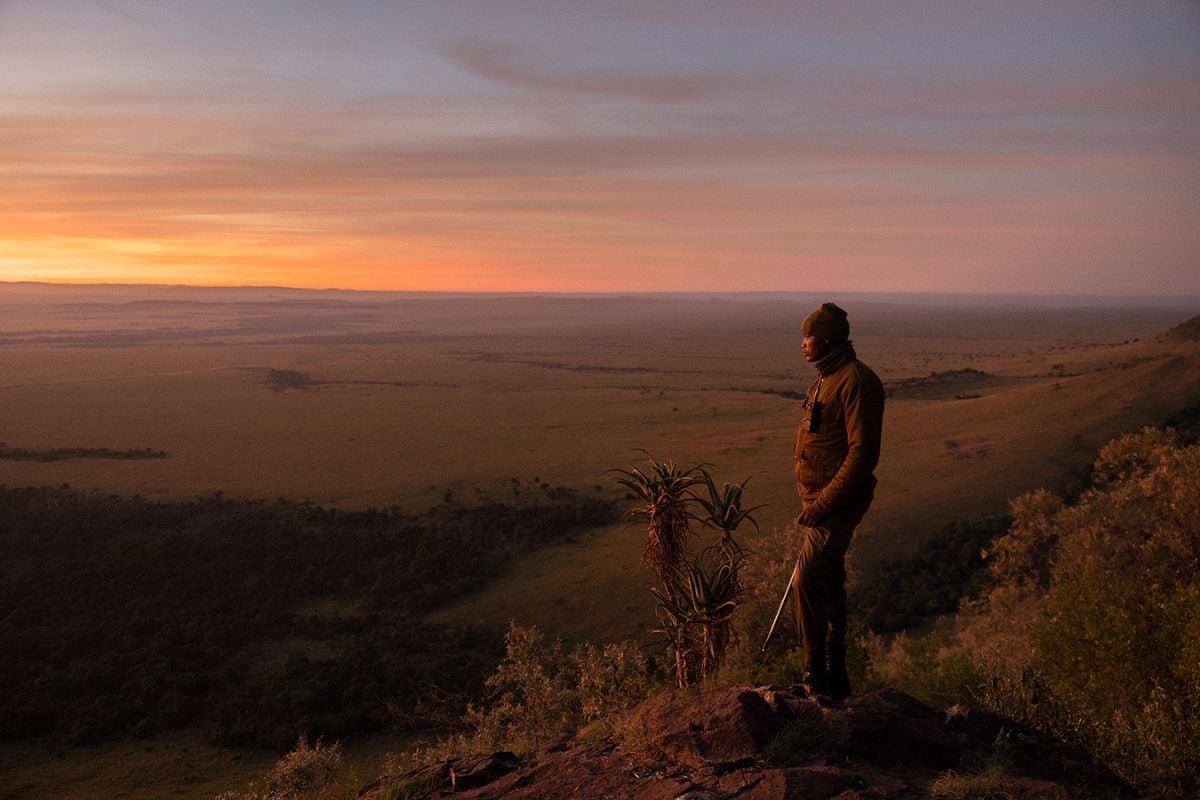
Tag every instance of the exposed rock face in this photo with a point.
(774, 744)
(728, 726)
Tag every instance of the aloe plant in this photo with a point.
(664, 500)
(699, 594)
(696, 613)
(723, 511)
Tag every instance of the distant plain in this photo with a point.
(354, 400)
(360, 399)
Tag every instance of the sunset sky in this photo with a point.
(549, 145)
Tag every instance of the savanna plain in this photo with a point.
(353, 401)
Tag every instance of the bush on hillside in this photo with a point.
(1091, 628)
(308, 772)
(542, 691)
(933, 581)
(1116, 642)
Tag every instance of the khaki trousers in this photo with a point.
(820, 587)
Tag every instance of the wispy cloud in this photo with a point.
(506, 64)
(757, 149)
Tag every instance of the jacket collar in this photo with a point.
(834, 359)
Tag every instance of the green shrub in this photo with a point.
(930, 667)
(1091, 627)
(612, 678)
(306, 773)
(1110, 599)
(542, 691)
(947, 569)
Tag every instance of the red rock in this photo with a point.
(797, 783)
(892, 728)
(776, 745)
(721, 727)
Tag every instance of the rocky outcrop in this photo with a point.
(776, 744)
(726, 727)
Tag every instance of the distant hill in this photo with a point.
(1189, 331)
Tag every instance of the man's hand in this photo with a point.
(811, 518)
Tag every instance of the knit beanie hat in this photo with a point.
(828, 322)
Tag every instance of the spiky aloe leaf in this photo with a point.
(723, 507)
(665, 505)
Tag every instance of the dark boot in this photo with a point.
(838, 678)
(815, 679)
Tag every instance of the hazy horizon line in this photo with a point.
(1171, 299)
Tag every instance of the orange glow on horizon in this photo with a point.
(767, 147)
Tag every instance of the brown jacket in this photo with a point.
(835, 463)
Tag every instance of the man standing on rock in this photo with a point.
(837, 448)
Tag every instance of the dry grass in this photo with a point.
(984, 786)
(178, 765)
(175, 765)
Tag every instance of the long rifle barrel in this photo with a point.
(779, 611)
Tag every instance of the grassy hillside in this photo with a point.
(945, 462)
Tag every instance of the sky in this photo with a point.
(549, 145)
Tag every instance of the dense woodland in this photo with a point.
(932, 581)
(64, 453)
(261, 621)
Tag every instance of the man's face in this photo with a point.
(815, 348)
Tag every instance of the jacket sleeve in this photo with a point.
(862, 403)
